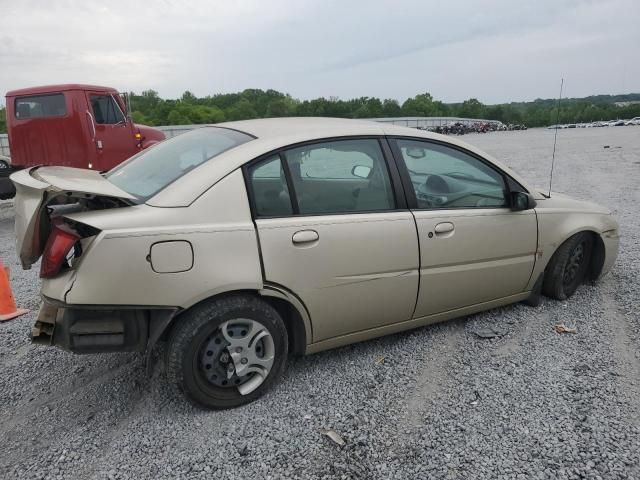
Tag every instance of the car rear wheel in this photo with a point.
(227, 352)
(568, 267)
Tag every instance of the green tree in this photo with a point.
(391, 108)
(188, 97)
(138, 117)
(204, 114)
(149, 108)
(419, 106)
(472, 108)
(175, 117)
(242, 110)
(3, 120)
(280, 107)
(145, 102)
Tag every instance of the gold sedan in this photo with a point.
(241, 243)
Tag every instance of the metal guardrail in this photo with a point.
(415, 122)
(4, 144)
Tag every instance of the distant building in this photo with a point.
(626, 104)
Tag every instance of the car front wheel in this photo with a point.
(568, 267)
(227, 352)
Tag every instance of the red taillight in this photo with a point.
(59, 244)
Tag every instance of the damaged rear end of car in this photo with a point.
(46, 198)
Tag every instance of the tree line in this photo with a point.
(149, 109)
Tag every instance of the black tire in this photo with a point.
(568, 267)
(191, 332)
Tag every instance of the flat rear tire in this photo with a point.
(568, 267)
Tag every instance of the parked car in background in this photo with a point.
(633, 121)
(73, 125)
(247, 241)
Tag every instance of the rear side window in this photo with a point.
(269, 188)
(40, 106)
(152, 170)
(105, 110)
(342, 176)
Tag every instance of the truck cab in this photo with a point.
(73, 125)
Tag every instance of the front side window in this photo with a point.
(105, 110)
(40, 106)
(152, 170)
(444, 177)
(340, 176)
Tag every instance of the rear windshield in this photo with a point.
(152, 170)
(40, 106)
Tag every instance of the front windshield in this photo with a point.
(152, 170)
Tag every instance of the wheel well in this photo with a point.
(596, 262)
(292, 320)
(597, 257)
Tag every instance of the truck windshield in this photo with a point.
(150, 171)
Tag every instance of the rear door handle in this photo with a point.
(305, 236)
(444, 227)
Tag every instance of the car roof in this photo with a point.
(312, 126)
(272, 134)
(63, 87)
(315, 128)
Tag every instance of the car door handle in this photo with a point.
(305, 236)
(444, 227)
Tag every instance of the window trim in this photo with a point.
(117, 108)
(510, 184)
(124, 115)
(293, 197)
(48, 94)
(395, 181)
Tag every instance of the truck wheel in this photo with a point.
(227, 352)
(568, 267)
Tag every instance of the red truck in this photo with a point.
(71, 125)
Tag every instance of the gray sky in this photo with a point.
(494, 50)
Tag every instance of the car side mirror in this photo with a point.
(361, 171)
(522, 201)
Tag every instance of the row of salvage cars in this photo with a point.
(610, 123)
(241, 243)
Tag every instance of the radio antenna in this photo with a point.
(555, 136)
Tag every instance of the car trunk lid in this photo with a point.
(43, 192)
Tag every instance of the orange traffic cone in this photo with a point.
(8, 308)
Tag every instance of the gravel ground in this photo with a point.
(437, 402)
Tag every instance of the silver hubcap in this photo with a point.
(239, 354)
